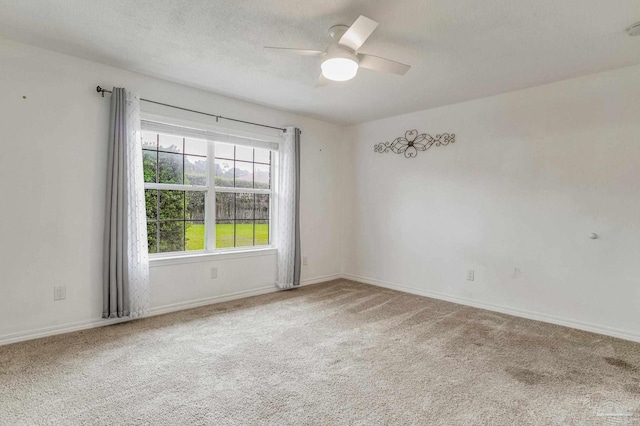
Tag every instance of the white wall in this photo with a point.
(531, 175)
(52, 180)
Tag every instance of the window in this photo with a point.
(243, 193)
(204, 195)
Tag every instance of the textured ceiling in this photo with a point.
(459, 50)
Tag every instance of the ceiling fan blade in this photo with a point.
(305, 52)
(358, 33)
(377, 63)
(322, 81)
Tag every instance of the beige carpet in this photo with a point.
(334, 353)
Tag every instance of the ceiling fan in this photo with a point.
(341, 58)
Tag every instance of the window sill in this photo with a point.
(181, 259)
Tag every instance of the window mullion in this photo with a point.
(157, 195)
(210, 211)
(243, 190)
(174, 187)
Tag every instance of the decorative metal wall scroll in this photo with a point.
(412, 142)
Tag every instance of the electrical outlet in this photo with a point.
(471, 275)
(305, 261)
(214, 273)
(59, 292)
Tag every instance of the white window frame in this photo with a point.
(213, 135)
(211, 206)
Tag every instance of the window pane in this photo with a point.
(195, 170)
(244, 175)
(169, 168)
(262, 206)
(170, 143)
(262, 176)
(195, 204)
(244, 153)
(244, 206)
(152, 236)
(151, 203)
(194, 235)
(149, 165)
(172, 236)
(149, 140)
(244, 233)
(224, 233)
(224, 150)
(172, 205)
(225, 205)
(224, 173)
(262, 232)
(195, 146)
(262, 156)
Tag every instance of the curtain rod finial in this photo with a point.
(100, 90)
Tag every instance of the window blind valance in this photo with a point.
(232, 137)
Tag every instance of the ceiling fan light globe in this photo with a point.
(339, 69)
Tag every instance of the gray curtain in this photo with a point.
(115, 271)
(297, 253)
(287, 236)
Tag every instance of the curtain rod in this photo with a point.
(102, 91)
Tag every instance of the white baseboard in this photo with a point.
(318, 280)
(158, 310)
(190, 304)
(58, 329)
(537, 316)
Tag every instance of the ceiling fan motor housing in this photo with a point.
(337, 31)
